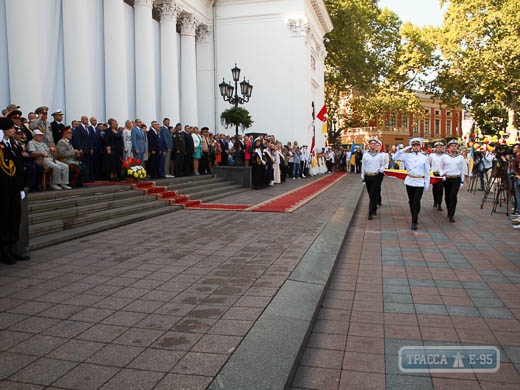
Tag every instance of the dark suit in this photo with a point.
(153, 158)
(188, 153)
(179, 148)
(81, 141)
(57, 130)
(97, 148)
(11, 183)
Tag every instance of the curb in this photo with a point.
(269, 355)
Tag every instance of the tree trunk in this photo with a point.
(512, 117)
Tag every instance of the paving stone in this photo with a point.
(393, 289)
(157, 360)
(431, 309)
(481, 293)
(76, 350)
(395, 281)
(133, 379)
(395, 382)
(397, 298)
(475, 285)
(86, 376)
(463, 311)
(13, 362)
(492, 312)
(399, 308)
(43, 371)
(422, 283)
(448, 284)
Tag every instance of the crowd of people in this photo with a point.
(451, 169)
(88, 150)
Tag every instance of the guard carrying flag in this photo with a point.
(452, 172)
(418, 179)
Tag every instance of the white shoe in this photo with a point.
(303, 175)
(66, 187)
(55, 187)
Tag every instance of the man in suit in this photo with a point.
(138, 141)
(179, 148)
(11, 192)
(81, 141)
(166, 146)
(154, 149)
(188, 152)
(57, 126)
(97, 150)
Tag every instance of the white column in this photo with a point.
(206, 78)
(189, 110)
(35, 56)
(169, 62)
(4, 63)
(83, 58)
(117, 69)
(144, 62)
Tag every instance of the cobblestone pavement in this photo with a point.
(159, 304)
(444, 284)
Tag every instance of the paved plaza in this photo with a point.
(202, 299)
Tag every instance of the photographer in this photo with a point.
(515, 167)
(483, 162)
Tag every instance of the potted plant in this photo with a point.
(132, 170)
(236, 116)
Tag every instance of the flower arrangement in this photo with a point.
(132, 168)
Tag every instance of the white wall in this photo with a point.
(4, 63)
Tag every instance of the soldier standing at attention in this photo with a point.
(11, 192)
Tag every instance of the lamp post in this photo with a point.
(334, 121)
(230, 94)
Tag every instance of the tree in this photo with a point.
(236, 116)
(480, 54)
(373, 63)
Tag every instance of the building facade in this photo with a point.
(152, 59)
(435, 123)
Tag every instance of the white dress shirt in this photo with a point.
(372, 163)
(417, 167)
(452, 166)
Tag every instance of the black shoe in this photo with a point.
(18, 256)
(379, 203)
(451, 219)
(414, 226)
(7, 258)
(435, 205)
(439, 208)
(369, 216)
(374, 212)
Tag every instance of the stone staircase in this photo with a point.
(57, 216)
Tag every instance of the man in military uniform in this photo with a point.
(418, 179)
(435, 160)
(11, 193)
(41, 123)
(452, 172)
(372, 169)
(57, 126)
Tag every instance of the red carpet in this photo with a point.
(291, 201)
(219, 206)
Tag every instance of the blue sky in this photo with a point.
(418, 12)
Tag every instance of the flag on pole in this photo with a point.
(322, 115)
(324, 128)
(313, 145)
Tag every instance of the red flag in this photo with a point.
(322, 115)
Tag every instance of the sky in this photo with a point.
(419, 12)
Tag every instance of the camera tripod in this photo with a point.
(502, 191)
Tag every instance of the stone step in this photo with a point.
(86, 206)
(203, 193)
(82, 231)
(220, 195)
(81, 199)
(89, 218)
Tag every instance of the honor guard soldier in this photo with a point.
(11, 192)
(437, 188)
(372, 169)
(452, 172)
(418, 179)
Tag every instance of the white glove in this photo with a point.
(461, 185)
(444, 178)
(22, 195)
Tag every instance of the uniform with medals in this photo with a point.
(11, 192)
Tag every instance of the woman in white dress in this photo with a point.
(127, 139)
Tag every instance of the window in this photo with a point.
(427, 111)
(448, 113)
(393, 121)
(426, 126)
(448, 126)
(437, 126)
(437, 112)
(405, 122)
(416, 126)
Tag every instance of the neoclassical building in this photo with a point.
(165, 58)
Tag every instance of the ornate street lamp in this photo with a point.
(230, 94)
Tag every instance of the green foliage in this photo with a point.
(480, 58)
(236, 116)
(373, 63)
